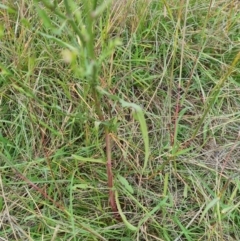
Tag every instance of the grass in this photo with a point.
(129, 107)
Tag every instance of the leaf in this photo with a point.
(99, 10)
(86, 159)
(4, 140)
(139, 116)
(125, 183)
(1, 31)
(235, 80)
(128, 225)
(44, 17)
(185, 192)
(185, 231)
(183, 151)
(230, 208)
(154, 210)
(227, 209)
(210, 205)
(55, 132)
(10, 10)
(59, 41)
(81, 186)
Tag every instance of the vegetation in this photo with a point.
(119, 120)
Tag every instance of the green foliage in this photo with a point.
(161, 78)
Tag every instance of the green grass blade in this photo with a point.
(128, 225)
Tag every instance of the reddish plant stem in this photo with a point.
(112, 196)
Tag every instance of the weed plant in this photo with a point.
(119, 120)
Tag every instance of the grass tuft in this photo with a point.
(119, 120)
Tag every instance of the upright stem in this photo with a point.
(88, 45)
(97, 100)
(112, 196)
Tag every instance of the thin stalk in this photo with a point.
(174, 139)
(112, 195)
(174, 51)
(89, 27)
(88, 44)
(73, 24)
(99, 111)
(215, 92)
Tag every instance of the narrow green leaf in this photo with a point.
(59, 41)
(185, 192)
(125, 183)
(2, 6)
(55, 132)
(154, 210)
(227, 209)
(81, 186)
(44, 17)
(99, 10)
(139, 116)
(210, 205)
(86, 159)
(183, 151)
(1, 31)
(165, 186)
(10, 10)
(235, 80)
(230, 208)
(128, 225)
(71, 207)
(3, 140)
(185, 231)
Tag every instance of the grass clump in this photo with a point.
(119, 120)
